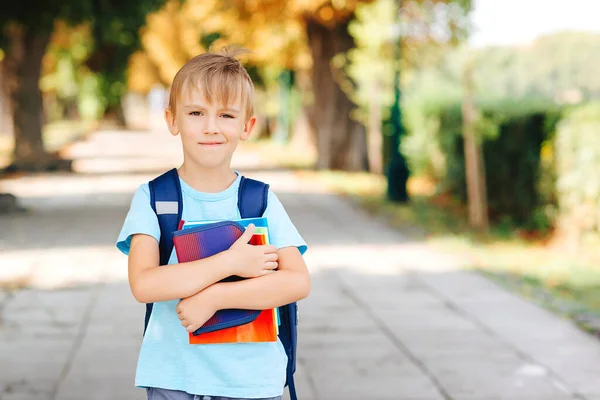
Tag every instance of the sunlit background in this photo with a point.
(440, 157)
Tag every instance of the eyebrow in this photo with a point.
(200, 106)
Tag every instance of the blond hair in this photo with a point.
(220, 77)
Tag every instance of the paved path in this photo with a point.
(387, 317)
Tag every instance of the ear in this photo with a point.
(248, 126)
(171, 122)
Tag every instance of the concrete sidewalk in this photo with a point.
(387, 317)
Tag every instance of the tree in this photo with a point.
(474, 162)
(25, 30)
(301, 35)
(181, 30)
(341, 140)
(69, 88)
(370, 66)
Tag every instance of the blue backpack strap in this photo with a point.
(288, 334)
(252, 203)
(252, 198)
(165, 199)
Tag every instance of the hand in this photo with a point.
(195, 310)
(250, 261)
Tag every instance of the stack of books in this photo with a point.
(201, 239)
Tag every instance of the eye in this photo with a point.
(195, 113)
(227, 116)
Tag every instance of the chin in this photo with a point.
(210, 164)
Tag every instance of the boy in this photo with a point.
(211, 108)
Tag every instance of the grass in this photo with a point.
(565, 282)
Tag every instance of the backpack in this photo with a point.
(166, 201)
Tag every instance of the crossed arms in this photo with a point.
(279, 277)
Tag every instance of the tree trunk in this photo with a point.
(115, 114)
(474, 166)
(5, 111)
(23, 64)
(341, 141)
(375, 136)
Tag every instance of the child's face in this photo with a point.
(210, 133)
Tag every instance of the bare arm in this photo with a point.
(291, 282)
(150, 283)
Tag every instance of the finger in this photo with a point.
(266, 271)
(271, 265)
(247, 235)
(268, 248)
(272, 257)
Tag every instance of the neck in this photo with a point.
(207, 180)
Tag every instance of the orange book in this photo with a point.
(259, 330)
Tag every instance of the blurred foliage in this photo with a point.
(274, 32)
(425, 31)
(182, 30)
(561, 67)
(104, 37)
(558, 68)
(91, 59)
(512, 139)
(115, 29)
(370, 65)
(577, 157)
(39, 16)
(70, 89)
(522, 93)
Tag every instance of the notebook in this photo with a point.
(198, 240)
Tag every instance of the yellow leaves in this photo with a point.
(376, 22)
(252, 5)
(313, 6)
(272, 30)
(198, 10)
(63, 63)
(171, 36)
(60, 36)
(326, 14)
(303, 6)
(142, 73)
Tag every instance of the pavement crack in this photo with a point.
(83, 327)
(395, 341)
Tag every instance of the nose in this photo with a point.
(211, 126)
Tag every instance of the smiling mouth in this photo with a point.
(210, 144)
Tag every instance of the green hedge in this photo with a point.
(577, 159)
(512, 137)
(542, 162)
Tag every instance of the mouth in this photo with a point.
(211, 144)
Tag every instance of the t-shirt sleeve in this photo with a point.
(282, 231)
(140, 219)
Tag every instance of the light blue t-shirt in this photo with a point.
(166, 360)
